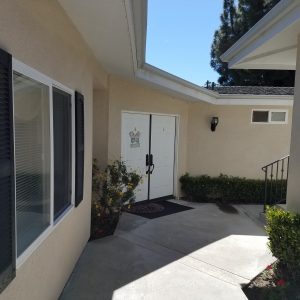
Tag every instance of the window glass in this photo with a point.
(260, 116)
(62, 151)
(278, 116)
(32, 152)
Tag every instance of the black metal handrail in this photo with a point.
(276, 177)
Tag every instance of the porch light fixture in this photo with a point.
(213, 123)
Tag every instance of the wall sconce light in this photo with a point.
(213, 123)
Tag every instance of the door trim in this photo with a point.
(176, 145)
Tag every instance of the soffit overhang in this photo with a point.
(271, 43)
(115, 31)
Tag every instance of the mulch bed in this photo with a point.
(152, 210)
(104, 227)
(268, 286)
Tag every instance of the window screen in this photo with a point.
(32, 152)
(260, 116)
(278, 116)
(62, 126)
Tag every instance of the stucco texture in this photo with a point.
(237, 147)
(125, 95)
(39, 34)
(100, 132)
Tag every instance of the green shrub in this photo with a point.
(112, 188)
(283, 228)
(225, 188)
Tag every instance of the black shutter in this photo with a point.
(7, 178)
(79, 112)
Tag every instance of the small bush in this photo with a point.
(112, 189)
(283, 228)
(224, 188)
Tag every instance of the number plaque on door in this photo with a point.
(134, 138)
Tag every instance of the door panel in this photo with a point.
(135, 146)
(163, 150)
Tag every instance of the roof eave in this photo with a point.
(235, 53)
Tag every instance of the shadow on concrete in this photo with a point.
(173, 257)
(227, 208)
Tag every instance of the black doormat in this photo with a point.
(152, 210)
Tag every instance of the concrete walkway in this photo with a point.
(203, 253)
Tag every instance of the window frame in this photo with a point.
(61, 87)
(18, 66)
(270, 111)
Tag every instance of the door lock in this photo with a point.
(147, 163)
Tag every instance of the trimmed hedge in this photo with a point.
(224, 188)
(283, 228)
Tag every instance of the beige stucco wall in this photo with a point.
(130, 96)
(39, 34)
(100, 134)
(237, 147)
(293, 191)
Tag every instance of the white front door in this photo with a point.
(163, 152)
(153, 136)
(135, 146)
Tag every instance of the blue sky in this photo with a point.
(179, 37)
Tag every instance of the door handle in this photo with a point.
(151, 164)
(147, 164)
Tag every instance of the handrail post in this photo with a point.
(266, 189)
(281, 185)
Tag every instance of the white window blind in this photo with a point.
(32, 153)
(278, 116)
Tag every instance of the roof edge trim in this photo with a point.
(176, 85)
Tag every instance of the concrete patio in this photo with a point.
(203, 253)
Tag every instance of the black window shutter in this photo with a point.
(7, 178)
(79, 174)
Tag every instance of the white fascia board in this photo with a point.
(174, 78)
(177, 87)
(193, 94)
(285, 13)
(139, 12)
(130, 23)
(253, 66)
(266, 100)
